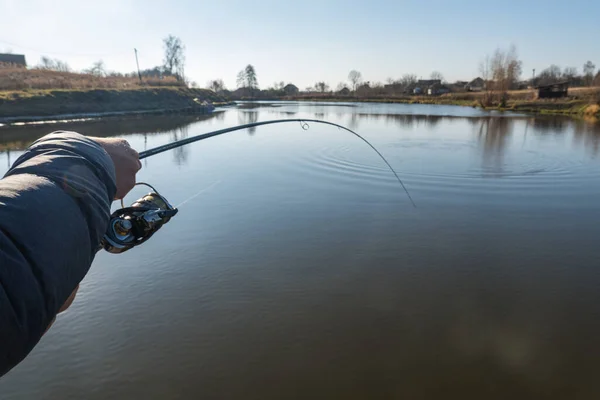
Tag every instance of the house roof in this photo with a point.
(18, 59)
(428, 82)
(290, 86)
(563, 83)
(476, 81)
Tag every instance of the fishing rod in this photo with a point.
(132, 226)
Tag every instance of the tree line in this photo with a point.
(500, 71)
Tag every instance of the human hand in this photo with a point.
(126, 160)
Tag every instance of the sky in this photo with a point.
(303, 42)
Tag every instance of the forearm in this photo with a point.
(54, 208)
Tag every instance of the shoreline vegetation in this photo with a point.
(581, 102)
(39, 95)
(39, 105)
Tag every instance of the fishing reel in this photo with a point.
(133, 225)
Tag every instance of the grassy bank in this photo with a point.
(581, 101)
(28, 104)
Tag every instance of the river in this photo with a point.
(302, 271)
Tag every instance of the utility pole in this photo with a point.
(138, 65)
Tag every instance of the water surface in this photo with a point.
(302, 270)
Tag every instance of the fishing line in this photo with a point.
(198, 194)
(303, 124)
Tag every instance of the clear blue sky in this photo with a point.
(305, 41)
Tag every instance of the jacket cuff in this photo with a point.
(81, 145)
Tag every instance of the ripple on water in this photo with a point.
(530, 173)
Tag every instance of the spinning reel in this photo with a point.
(133, 225)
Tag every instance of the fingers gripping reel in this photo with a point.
(133, 225)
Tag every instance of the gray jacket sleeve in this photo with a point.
(54, 208)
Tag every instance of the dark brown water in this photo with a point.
(303, 272)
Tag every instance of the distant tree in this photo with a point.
(436, 75)
(505, 68)
(321, 87)
(53, 64)
(355, 78)
(251, 80)
(241, 79)
(193, 84)
(340, 86)
(278, 86)
(597, 79)
(485, 69)
(216, 85)
(97, 69)
(550, 75)
(174, 61)
(246, 78)
(569, 73)
(588, 72)
(407, 80)
(390, 81)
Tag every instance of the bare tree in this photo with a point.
(569, 73)
(321, 87)
(216, 85)
(588, 72)
(355, 78)
(250, 75)
(53, 64)
(97, 69)
(408, 79)
(246, 78)
(46, 63)
(436, 75)
(174, 60)
(550, 75)
(485, 69)
(241, 79)
(390, 81)
(506, 70)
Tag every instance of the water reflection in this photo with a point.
(19, 137)
(181, 153)
(248, 117)
(494, 134)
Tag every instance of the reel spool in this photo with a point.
(133, 225)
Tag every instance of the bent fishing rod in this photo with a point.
(133, 225)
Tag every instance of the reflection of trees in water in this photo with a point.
(320, 115)
(549, 125)
(19, 137)
(180, 153)
(353, 121)
(493, 133)
(587, 133)
(248, 117)
(403, 120)
(220, 116)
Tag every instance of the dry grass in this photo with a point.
(27, 79)
(592, 110)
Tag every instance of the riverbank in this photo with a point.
(582, 102)
(35, 105)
